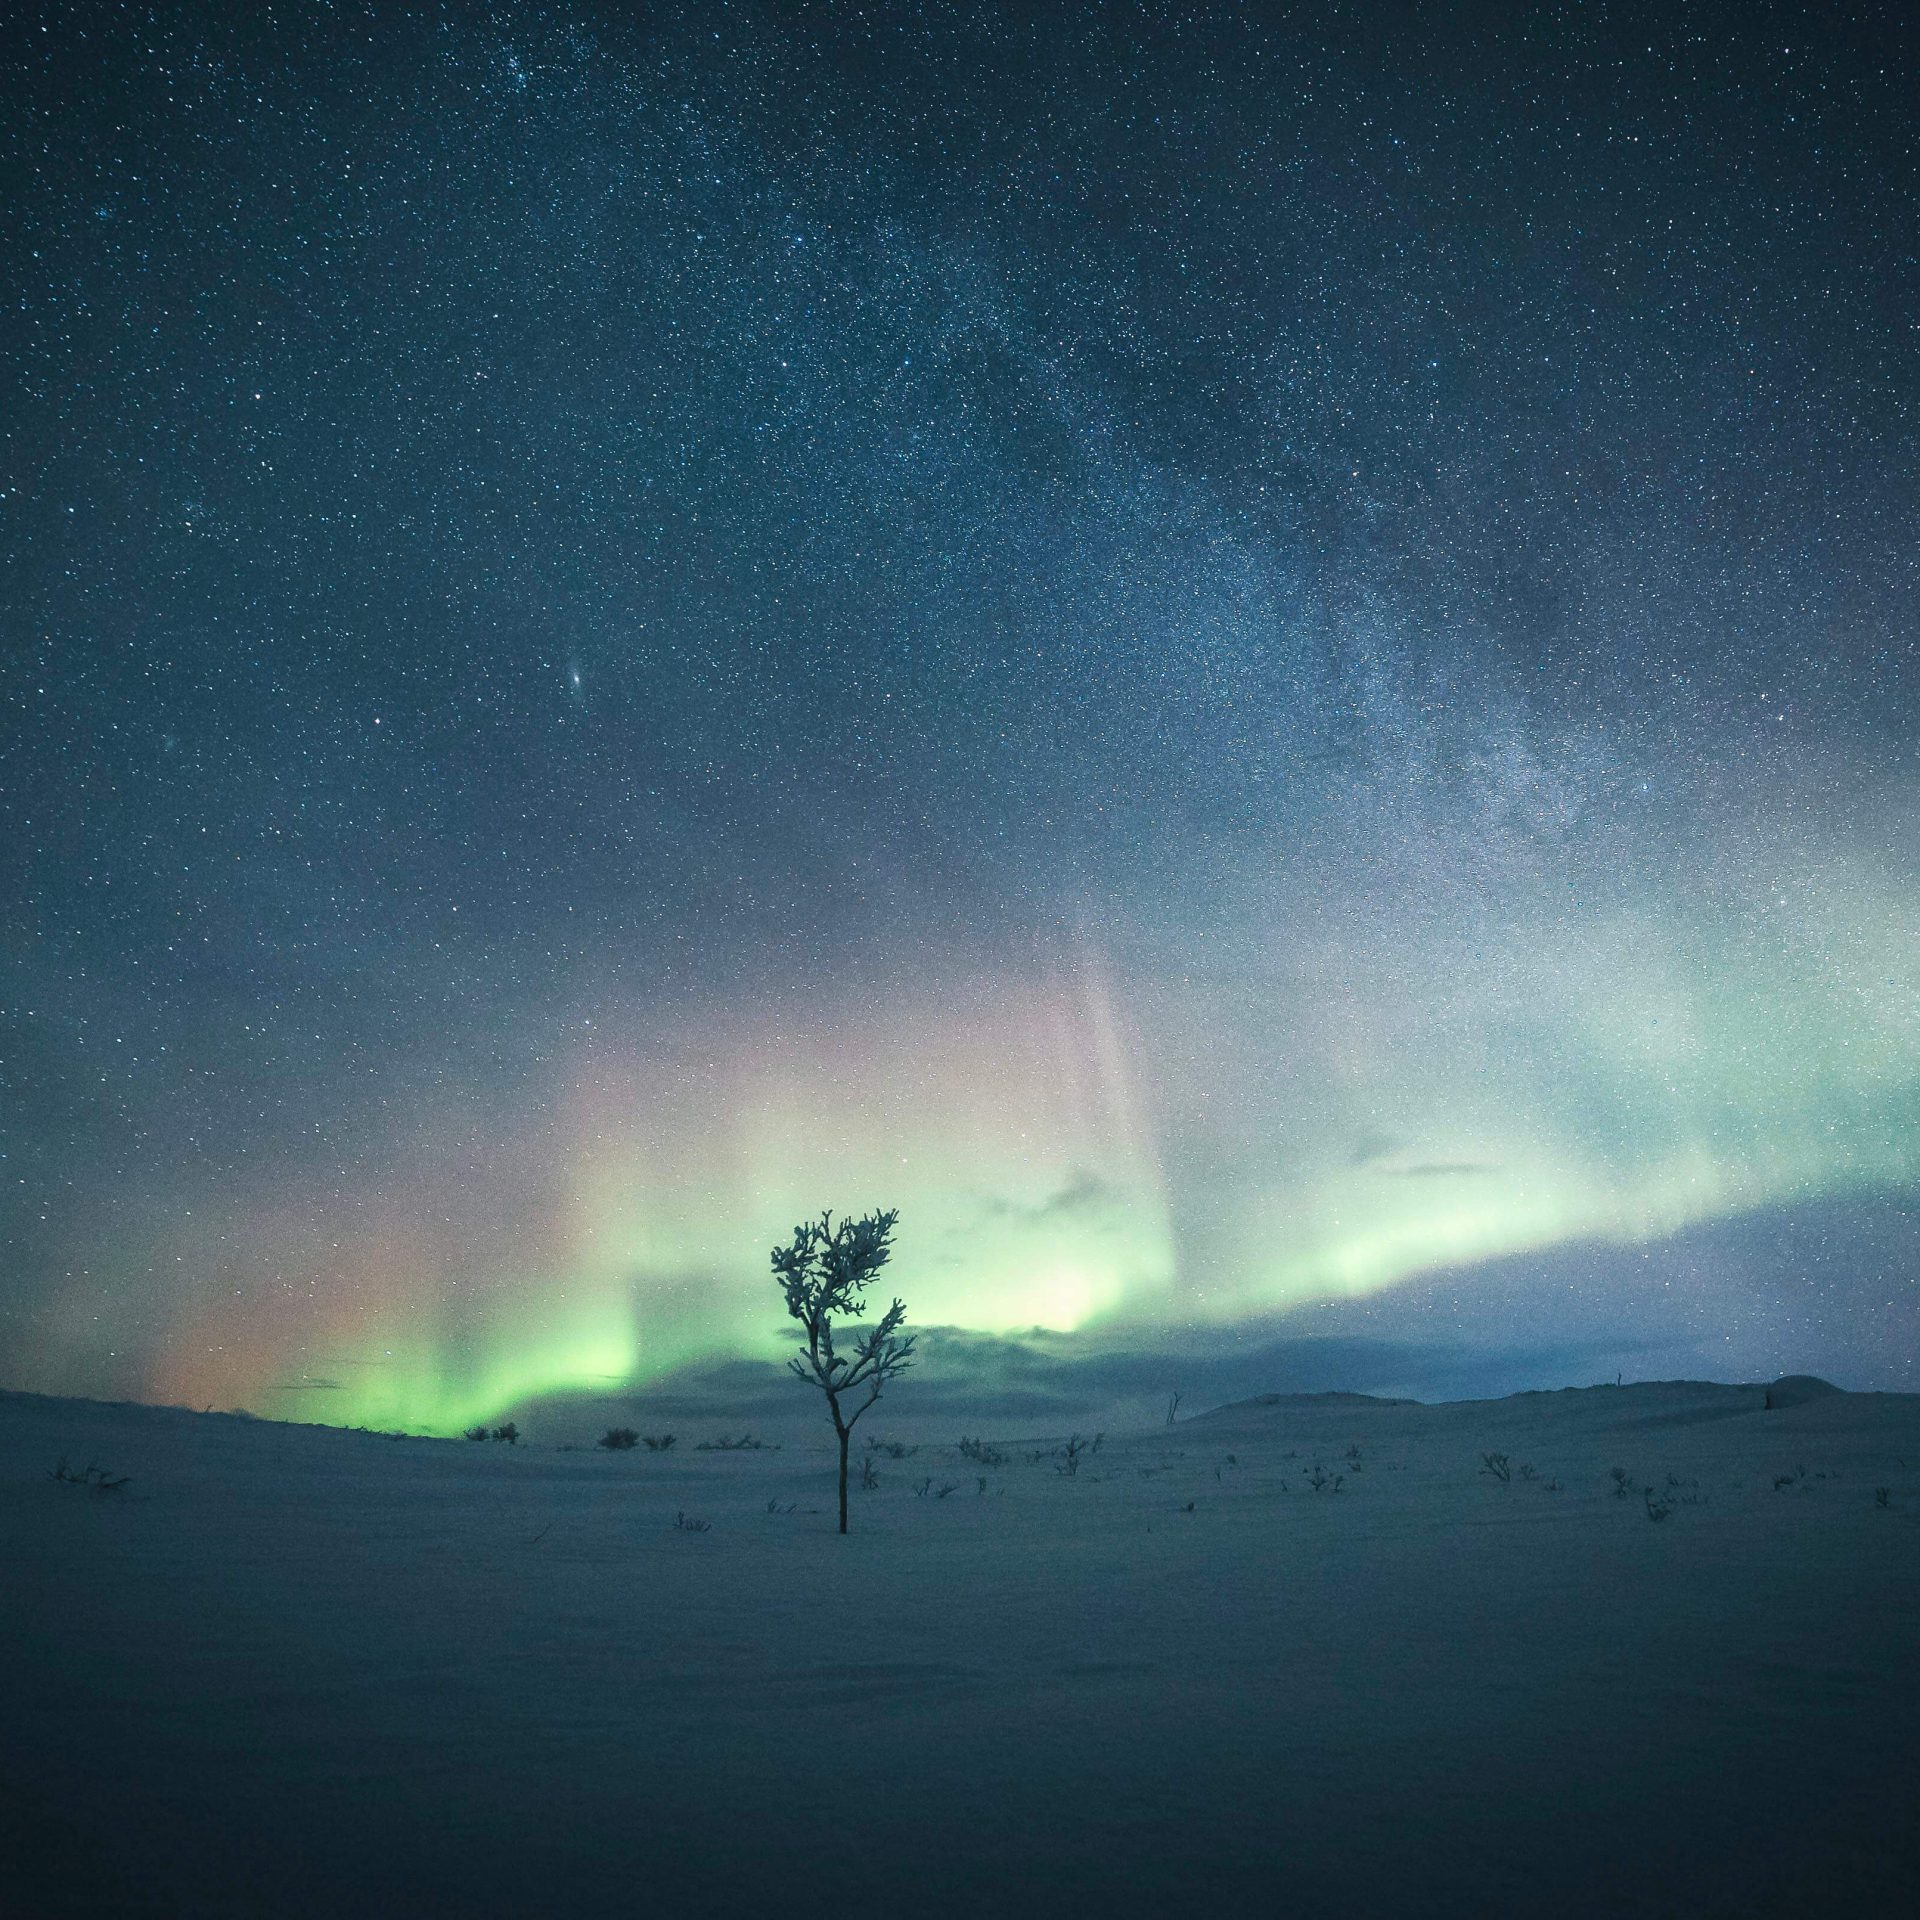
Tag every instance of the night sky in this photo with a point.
(1259, 662)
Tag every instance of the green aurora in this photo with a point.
(1074, 1153)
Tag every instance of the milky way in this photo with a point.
(1255, 664)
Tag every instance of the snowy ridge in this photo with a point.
(1548, 1646)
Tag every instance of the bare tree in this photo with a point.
(823, 1273)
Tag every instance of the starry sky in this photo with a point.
(1259, 661)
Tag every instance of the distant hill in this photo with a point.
(1796, 1389)
(1326, 1400)
(1652, 1402)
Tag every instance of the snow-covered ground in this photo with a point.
(297, 1671)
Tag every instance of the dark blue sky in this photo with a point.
(1279, 642)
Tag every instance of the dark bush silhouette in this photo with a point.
(478, 1433)
(823, 1272)
(96, 1479)
(658, 1442)
(509, 1433)
(619, 1439)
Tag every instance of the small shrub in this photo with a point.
(686, 1523)
(1883, 1497)
(658, 1442)
(509, 1433)
(95, 1479)
(1525, 1470)
(987, 1456)
(893, 1449)
(619, 1439)
(745, 1444)
(1622, 1483)
(869, 1474)
(1496, 1466)
(1659, 1505)
(478, 1433)
(1067, 1459)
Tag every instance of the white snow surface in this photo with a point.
(307, 1672)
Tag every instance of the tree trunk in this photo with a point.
(843, 1479)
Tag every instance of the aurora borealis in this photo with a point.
(1246, 659)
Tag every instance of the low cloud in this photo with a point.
(1454, 1334)
(1084, 1193)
